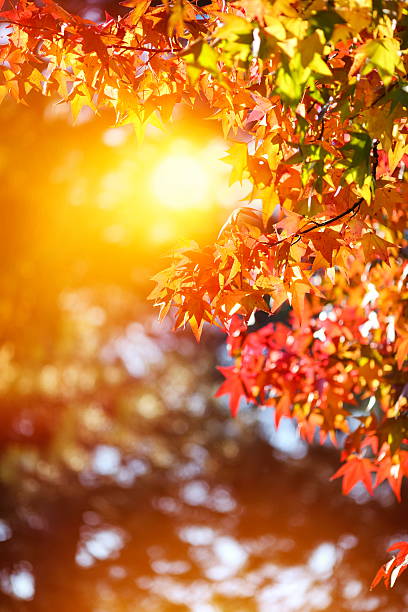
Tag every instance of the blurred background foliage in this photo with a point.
(82, 234)
(124, 486)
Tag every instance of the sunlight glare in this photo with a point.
(181, 179)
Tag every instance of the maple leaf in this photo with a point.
(356, 469)
(260, 170)
(382, 54)
(402, 351)
(290, 222)
(275, 289)
(139, 9)
(390, 571)
(196, 326)
(391, 471)
(255, 9)
(326, 242)
(232, 386)
(237, 157)
(375, 247)
(297, 291)
(282, 408)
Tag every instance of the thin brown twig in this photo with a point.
(30, 26)
(352, 210)
(375, 158)
(375, 102)
(148, 49)
(114, 46)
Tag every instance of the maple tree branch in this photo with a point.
(321, 130)
(148, 49)
(376, 101)
(30, 27)
(113, 46)
(307, 6)
(353, 209)
(375, 158)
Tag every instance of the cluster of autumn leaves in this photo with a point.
(312, 97)
(335, 374)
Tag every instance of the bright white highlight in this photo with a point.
(181, 180)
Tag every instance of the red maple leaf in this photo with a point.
(392, 472)
(391, 570)
(231, 386)
(356, 469)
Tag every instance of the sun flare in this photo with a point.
(181, 179)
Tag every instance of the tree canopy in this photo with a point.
(312, 98)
